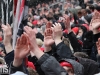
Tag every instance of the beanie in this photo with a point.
(86, 26)
(31, 65)
(75, 30)
(35, 22)
(66, 64)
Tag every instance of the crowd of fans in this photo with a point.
(61, 39)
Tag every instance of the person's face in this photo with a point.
(2, 52)
(69, 70)
(45, 20)
(79, 15)
(80, 33)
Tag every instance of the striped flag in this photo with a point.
(19, 14)
(7, 11)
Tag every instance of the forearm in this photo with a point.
(7, 43)
(46, 61)
(47, 48)
(17, 62)
(8, 48)
(37, 52)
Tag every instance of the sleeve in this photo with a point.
(46, 61)
(64, 51)
(9, 58)
(37, 66)
(96, 36)
(21, 68)
(74, 42)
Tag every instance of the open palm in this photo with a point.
(48, 39)
(22, 47)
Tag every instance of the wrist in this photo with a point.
(37, 52)
(57, 41)
(95, 31)
(47, 48)
(17, 62)
(69, 30)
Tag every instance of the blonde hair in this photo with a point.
(39, 42)
(32, 71)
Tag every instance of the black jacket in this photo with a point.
(74, 42)
(45, 63)
(90, 67)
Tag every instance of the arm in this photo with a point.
(21, 51)
(74, 42)
(7, 42)
(7, 38)
(62, 50)
(43, 59)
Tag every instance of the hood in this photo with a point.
(78, 68)
(90, 67)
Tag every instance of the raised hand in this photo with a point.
(7, 37)
(67, 22)
(22, 47)
(30, 33)
(98, 46)
(32, 42)
(48, 36)
(95, 22)
(57, 33)
(21, 50)
(7, 30)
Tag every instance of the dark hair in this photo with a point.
(88, 11)
(91, 7)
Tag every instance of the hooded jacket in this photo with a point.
(90, 67)
(48, 64)
(78, 68)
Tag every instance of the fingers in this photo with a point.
(48, 32)
(27, 38)
(26, 28)
(18, 41)
(49, 25)
(23, 39)
(8, 26)
(57, 25)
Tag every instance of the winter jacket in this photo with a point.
(62, 51)
(45, 62)
(77, 67)
(9, 58)
(94, 49)
(90, 66)
(74, 42)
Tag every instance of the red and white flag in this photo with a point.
(19, 14)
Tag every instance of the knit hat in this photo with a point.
(75, 30)
(30, 64)
(86, 26)
(35, 22)
(66, 64)
(65, 31)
